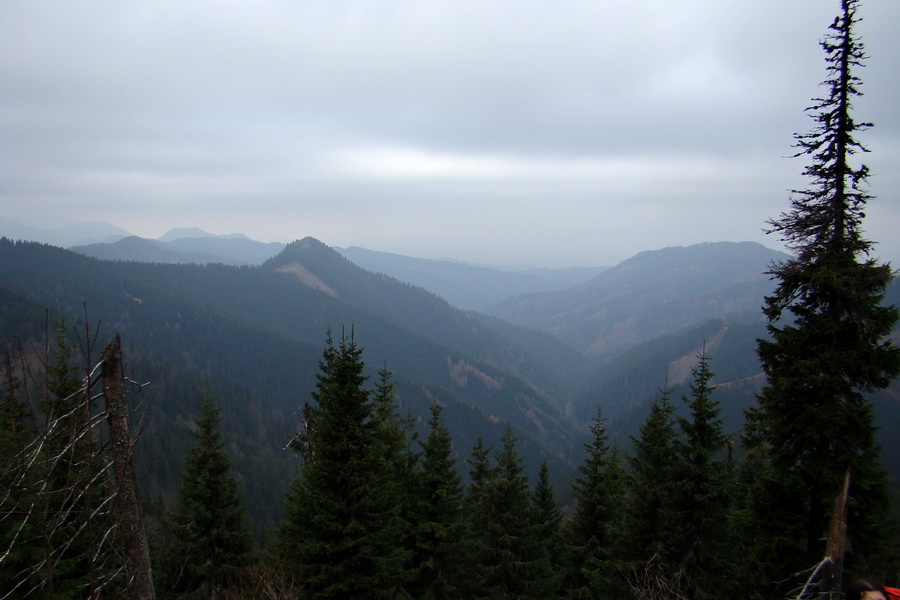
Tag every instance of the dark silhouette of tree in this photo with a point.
(208, 540)
(650, 514)
(548, 519)
(594, 529)
(477, 503)
(829, 342)
(66, 523)
(702, 546)
(338, 532)
(439, 524)
(17, 535)
(57, 487)
(397, 468)
(507, 545)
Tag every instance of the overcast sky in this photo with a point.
(527, 132)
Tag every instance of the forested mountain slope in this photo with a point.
(185, 246)
(545, 362)
(467, 286)
(625, 384)
(257, 334)
(254, 336)
(652, 294)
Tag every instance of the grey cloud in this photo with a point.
(200, 106)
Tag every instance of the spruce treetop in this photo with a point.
(827, 216)
(813, 421)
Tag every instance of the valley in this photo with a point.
(540, 360)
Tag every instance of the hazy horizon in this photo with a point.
(65, 236)
(502, 133)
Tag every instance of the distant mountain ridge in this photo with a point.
(651, 294)
(264, 326)
(180, 233)
(464, 286)
(179, 245)
(468, 286)
(185, 246)
(90, 232)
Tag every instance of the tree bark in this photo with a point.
(138, 575)
(837, 534)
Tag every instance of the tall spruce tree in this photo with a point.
(547, 518)
(439, 524)
(338, 533)
(481, 475)
(650, 516)
(604, 570)
(508, 549)
(478, 515)
(593, 531)
(701, 550)
(207, 536)
(828, 342)
(397, 468)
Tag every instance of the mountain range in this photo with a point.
(542, 361)
(255, 335)
(466, 286)
(470, 287)
(196, 247)
(651, 294)
(71, 234)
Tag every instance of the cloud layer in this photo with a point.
(572, 132)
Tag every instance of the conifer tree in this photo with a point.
(393, 432)
(393, 439)
(605, 570)
(207, 537)
(481, 475)
(701, 549)
(594, 526)
(57, 486)
(828, 341)
(67, 492)
(508, 549)
(547, 518)
(439, 524)
(17, 550)
(338, 529)
(478, 515)
(650, 516)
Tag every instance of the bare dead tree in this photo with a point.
(65, 490)
(300, 441)
(138, 576)
(53, 500)
(824, 579)
(651, 583)
(263, 582)
(837, 536)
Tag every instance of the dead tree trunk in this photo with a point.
(139, 579)
(834, 552)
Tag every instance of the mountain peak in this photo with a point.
(310, 262)
(181, 233)
(178, 233)
(308, 243)
(302, 249)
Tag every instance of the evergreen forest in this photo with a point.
(307, 429)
